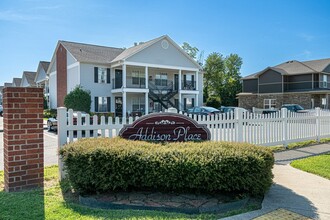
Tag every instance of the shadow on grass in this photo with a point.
(72, 202)
(22, 205)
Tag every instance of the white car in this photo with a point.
(52, 122)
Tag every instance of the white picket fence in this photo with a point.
(279, 128)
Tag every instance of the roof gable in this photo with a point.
(28, 79)
(16, 82)
(41, 71)
(162, 50)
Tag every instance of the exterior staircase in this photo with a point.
(162, 94)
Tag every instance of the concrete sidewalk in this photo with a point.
(294, 190)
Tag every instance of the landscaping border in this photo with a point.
(92, 202)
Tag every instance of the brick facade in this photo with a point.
(23, 138)
(61, 72)
(257, 100)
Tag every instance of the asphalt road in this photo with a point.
(50, 147)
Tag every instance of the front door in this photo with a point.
(119, 106)
(118, 79)
(176, 82)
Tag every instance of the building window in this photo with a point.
(188, 103)
(102, 104)
(161, 79)
(138, 105)
(138, 78)
(101, 75)
(323, 81)
(269, 103)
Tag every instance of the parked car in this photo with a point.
(226, 109)
(269, 111)
(52, 122)
(1, 110)
(203, 110)
(295, 108)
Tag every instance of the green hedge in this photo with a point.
(104, 164)
(50, 113)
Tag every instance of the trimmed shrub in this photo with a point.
(50, 113)
(78, 99)
(213, 101)
(104, 164)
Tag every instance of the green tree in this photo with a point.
(222, 77)
(78, 99)
(213, 101)
(191, 51)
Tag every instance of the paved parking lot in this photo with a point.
(50, 147)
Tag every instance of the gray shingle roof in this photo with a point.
(8, 85)
(45, 65)
(30, 76)
(17, 82)
(91, 53)
(295, 67)
(132, 50)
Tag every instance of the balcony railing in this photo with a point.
(117, 83)
(188, 85)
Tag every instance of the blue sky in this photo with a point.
(263, 32)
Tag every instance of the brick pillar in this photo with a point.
(23, 138)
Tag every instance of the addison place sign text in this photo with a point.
(165, 127)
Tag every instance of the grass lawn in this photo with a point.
(319, 165)
(57, 201)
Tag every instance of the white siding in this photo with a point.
(87, 81)
(72, 78)
(70, 59)
(52, 91)
(155, 54)
(41, 75)
(53, 67)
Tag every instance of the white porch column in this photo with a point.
(147, 77)
(180, 96)
(124, 105)
(124, 75)
(180, 101)
(196, 100)
(180, 83)
(196, 76)
(146, 98)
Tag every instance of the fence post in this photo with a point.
(239, 124)
(318, 129)
(62, 136)
(284, 114)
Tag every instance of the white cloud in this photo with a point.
(305, 55)
(306, 37)
(10, 15)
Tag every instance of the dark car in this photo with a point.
(269, 111)
(1, 110)
(203, 110)
(294, 108)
